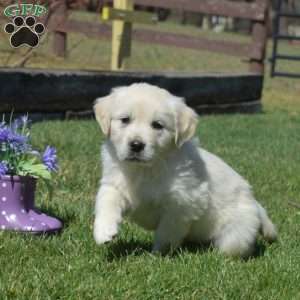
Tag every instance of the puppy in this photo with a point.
(155, 173)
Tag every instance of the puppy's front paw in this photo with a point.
(104, 233)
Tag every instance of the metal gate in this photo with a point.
(277, 36)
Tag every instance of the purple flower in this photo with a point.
(50, 159)
(14, 141)
(20, 122)
(18, 143)
(3, 168)
(4, 134)
(17, 138)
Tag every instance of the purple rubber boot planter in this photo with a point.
(17, 212)
(53, 223)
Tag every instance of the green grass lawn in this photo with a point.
(264, 148)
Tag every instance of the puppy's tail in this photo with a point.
(268, 229)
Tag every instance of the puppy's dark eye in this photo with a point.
(157, 125)
(125, 120)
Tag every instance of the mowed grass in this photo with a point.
(264, 148)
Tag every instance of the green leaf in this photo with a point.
(35, 170)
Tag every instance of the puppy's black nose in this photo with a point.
(136, 146)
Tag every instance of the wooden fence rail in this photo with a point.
(253, 51)
(251, 11)
(103, 31)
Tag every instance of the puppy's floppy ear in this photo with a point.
(186, 121)
(102, 110)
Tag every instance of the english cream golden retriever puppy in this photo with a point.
(155, 173)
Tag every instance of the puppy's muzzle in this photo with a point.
(136, 146)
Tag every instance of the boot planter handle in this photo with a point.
(17, 209)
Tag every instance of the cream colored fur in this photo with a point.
(173, 187)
